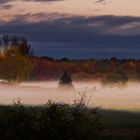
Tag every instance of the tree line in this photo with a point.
(111, 70)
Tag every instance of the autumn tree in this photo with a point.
(15, 63)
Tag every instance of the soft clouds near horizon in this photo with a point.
(108, 34)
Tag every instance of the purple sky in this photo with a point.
(75, 28)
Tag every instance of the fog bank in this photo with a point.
(117, 97)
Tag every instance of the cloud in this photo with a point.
(99, 1)
(6, 6)
(4, 1)
(73, 26)
(103, 2)
(7, 1)
(102, 34)
(43, 0)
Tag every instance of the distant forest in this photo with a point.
(106, 70)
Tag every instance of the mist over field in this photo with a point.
(125, 97)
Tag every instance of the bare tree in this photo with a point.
(20, 42)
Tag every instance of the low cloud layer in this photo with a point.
(103, 2)
(4, 1)
(83, 36)
(42, 0)
(7, 1)
(99, 1)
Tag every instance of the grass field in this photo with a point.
(120, 125)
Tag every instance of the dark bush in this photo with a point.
(66, 81)
(51, 122)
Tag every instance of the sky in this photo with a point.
(75, 28)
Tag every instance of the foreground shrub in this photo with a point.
(51, 121)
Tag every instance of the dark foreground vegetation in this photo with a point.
(49, 122)
(67, 122)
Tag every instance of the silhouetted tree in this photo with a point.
(65, 80)
(20, 42)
